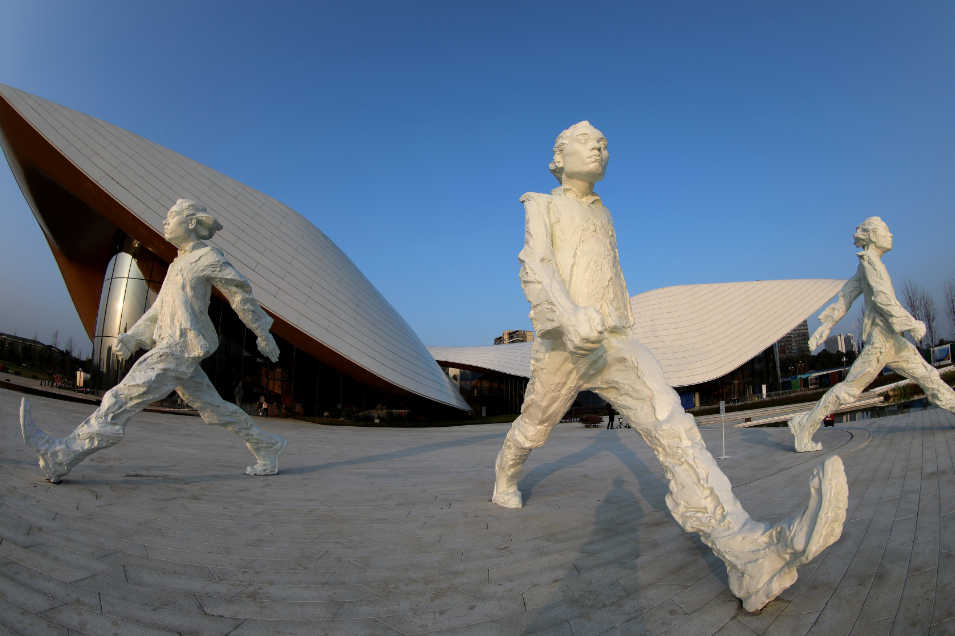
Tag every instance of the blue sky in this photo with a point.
(747, 139)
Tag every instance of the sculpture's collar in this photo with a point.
(192, 247)
(570, 193)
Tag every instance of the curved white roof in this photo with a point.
(702, 332)
(514, 358)
(697, 332)
(297, 273)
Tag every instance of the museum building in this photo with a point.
(100, 195)
(715, 342)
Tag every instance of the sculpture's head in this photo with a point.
(873, 233)
(580, 153)
(187, 218)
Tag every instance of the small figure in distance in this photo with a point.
(179, 335)
(580, 309)
(883, 323)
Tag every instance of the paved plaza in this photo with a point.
(391, 531)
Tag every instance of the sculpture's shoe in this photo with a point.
(40, 443)
(268, 463)
(510, 498)
(799, 540)
(507, 468)
(799, 426)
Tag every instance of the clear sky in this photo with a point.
(747, 139)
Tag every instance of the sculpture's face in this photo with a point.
(585, 156)
(882, 238)
(176, 226)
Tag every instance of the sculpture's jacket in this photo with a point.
(179, 318)
(883, 314)
(570, 259)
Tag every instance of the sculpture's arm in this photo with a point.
(237, 290)
(883, 297)
(553, 312)
(540, 277)
(140, 335)
(834, 312)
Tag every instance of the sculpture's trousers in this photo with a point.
(879, 352)
(153, 377)
(629, 377)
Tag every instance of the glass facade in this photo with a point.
(740, 385)
(298, 384)
(488, 393)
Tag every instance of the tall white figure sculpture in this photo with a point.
(179, 334)
(883, 322)
(580, 307)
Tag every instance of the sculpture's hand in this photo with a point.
(125, 346)
(583, 329)
(819, 336)
(918, 330)
(267, 346)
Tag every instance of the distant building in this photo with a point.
(518, 335)
(24, 342)
(841, 343)
(796, 342)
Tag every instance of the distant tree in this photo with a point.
(54, 342)
(69, 349)
(913, 296)
(930, 318)
(948, 288)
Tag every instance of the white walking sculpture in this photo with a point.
(883, 322)
(179, 335)
(580, 307)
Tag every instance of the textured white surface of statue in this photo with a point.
(179, 335)
(883, 322)
(580, 308)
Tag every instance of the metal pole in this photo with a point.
(723, 421)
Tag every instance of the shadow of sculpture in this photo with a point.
(591, 580)
(606, 441)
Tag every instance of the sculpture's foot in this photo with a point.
(801, 539)
(268, 463)
(510, 498)
(40, 443)
(507, 468)
(801, 430)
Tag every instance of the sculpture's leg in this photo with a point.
(761, 561)
(152, 378)
(909, 363)
(864, 370)
(551, 391)
(199, 393)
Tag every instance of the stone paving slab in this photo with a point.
(391, 531)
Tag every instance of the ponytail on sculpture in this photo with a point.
(206, 224)
(864, 231)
